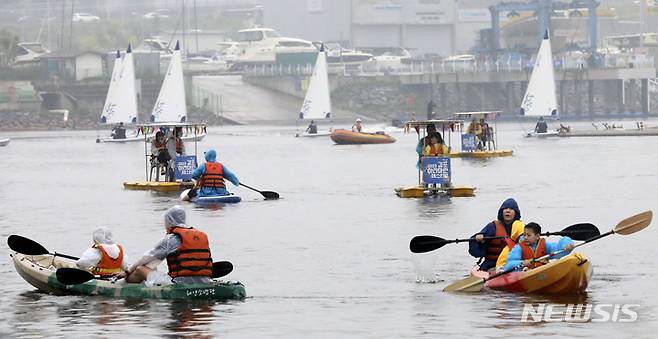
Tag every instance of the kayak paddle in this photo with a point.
(627, 226)
(427, 243)
(27, 246)
(269, 195)
(75, 276)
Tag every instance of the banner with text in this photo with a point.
(468, 142)
(185, 165)
(436, 170)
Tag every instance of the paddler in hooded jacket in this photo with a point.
(211, 177)
(507, 224)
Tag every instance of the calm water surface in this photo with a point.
(331, 258)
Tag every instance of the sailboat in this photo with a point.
(317, 102)
(540, 99)
(121, 101)
(171, 106)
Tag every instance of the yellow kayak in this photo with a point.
(161, 186)
(570, 274)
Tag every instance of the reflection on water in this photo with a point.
(331, 258)
(190, 319)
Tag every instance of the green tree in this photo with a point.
(8, 47)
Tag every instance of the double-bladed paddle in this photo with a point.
(269, 195)
(74, 276)
(627, 226)
(27, 246)
(427, 243)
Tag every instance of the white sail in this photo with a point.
(121, 100)
(317, 103)
(170, 106)
(126, 91)
(108, 113)
(539, 98)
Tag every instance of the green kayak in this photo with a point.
(39, 271)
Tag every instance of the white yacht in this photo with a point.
(260, 45)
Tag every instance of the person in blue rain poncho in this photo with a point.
(211, 177)
(532, 246)
(507, 224)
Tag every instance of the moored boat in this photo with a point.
(39, 271)
(610, 133)
(568, 275)
(346, 137)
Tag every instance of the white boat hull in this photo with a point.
(193, 137)
(4, 142)
(307, 135)
(542, 135)
(130, 139)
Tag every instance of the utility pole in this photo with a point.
(48, 24)
(643, 13)
(61, 28)
(184, 49)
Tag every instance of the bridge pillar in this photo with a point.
(442, 97)
(458, 91)
(590, 96)
(563, 102)
(645, 96)
(621, 96)
(579, 103)
(509, 96)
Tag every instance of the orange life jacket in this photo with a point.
(192, 258)
(496, 246)
(214, 176)
(107, 265)
(437, 150)
(539, 251)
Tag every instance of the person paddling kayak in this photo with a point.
(187, 252)
(211, 177)
(532, 246)
(507, 224)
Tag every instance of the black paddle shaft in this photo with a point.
(427, 243)
(27, 246)
(267, 194)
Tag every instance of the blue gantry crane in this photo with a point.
(543, 9)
